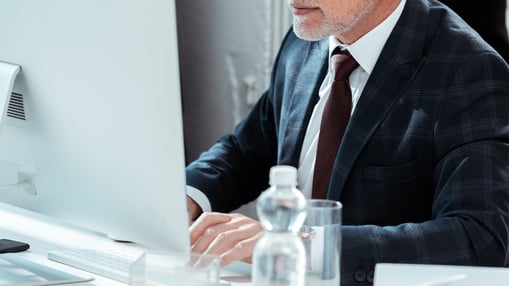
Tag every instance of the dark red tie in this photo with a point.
(334, 120)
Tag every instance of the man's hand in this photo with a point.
(231, 236)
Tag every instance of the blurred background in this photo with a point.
(226, 53)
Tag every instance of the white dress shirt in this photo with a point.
(365, 51)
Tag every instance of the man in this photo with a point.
(422, 170)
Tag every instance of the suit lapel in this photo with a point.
(396, 66)
(298, 104)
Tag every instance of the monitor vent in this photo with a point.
(16, 108)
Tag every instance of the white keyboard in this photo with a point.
(104, 262)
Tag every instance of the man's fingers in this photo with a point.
(204, 222)
(222, 233)
(238, 242)
(232, 236)
(218, 231)
(242, 251)
(227, 240)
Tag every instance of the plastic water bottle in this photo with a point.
(279, 257)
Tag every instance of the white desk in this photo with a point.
(44, 234)
(389, 274)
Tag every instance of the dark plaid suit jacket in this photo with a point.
(423, 169)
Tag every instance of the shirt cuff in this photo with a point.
(199, 197)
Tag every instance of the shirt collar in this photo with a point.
(367, 49)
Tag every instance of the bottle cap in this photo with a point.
(283, 175)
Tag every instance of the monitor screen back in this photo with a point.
(101, 139)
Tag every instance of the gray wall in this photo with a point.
(226, 52)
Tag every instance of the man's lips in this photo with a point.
(302, 9)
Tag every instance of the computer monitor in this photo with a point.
(94, 121)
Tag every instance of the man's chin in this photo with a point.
(307, 34)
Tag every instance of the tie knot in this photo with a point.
(342, 64)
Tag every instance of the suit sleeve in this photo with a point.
(235, 170)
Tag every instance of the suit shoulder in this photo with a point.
(452, 38)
